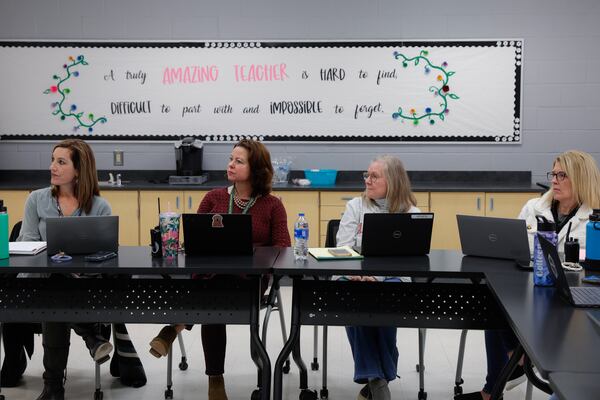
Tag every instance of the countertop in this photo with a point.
(422, 181)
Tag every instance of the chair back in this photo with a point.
(332, 230)
(14, 233)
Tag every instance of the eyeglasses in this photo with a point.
(373, 177)
(560, 176)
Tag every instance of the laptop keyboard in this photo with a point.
(586, 295)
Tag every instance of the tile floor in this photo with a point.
(240, 377)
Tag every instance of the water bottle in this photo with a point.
(301, 238)
(547, 229)
(592, 240)
(3, 231)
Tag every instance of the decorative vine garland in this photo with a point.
(443, 91)
(58, 105)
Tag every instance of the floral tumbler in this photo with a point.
(169, 232)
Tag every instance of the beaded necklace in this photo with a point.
(243, 205)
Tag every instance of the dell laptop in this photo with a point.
(579, 296)
(396, 234)
(217, 234)
(494, 237)
(82, 235)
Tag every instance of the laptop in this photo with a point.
(396, 234)
(504, 238)
(82, 235)
(217, 234)
(579, 296)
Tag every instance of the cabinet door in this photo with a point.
(506, 205)
(192, 199)
(14, 200)
(169, 199)
(306, 202)
(124, 203)
(446, 205)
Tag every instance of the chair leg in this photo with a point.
(458, 381)
(98, 394)
(314, 365)
(183, 365)
(421, 367)
(324, 394)
(169, 390)
(529, 390)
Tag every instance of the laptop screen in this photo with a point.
(393, 234)
(82, 235)
(217, 234)
(555, 266)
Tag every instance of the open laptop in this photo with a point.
(494, 237)
(396, 234)
(579, 296)
(82, 235)
(217, 234)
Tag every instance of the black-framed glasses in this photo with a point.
(560, 176)
(373, 177)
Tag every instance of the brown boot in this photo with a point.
(216, 388)
(161, 344)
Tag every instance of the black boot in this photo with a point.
(16, 337)
(125, 363)
(52, 393)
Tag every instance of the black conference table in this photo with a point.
(135, 288)
(575, 386)
(556, 336)
(447, 291)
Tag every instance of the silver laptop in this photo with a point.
(494, 237)
(579, 296)
(82, 235)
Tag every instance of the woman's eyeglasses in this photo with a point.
(560, 176)
(373, 177)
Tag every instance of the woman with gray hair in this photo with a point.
(387, 190)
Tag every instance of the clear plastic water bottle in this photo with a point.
(301, 238)
(547, 229)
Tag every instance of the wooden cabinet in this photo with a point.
(14, 200)
(306, 202)
(333, 205)
(446, 205)
(177, 201)
(124, 203)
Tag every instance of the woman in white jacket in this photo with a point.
(574, 193)
(387, 190)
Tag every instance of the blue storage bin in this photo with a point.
(321, 177)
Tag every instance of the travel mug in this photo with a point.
(169, 232)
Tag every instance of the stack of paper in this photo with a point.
(324, 253)
(27, 248)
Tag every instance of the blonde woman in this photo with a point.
(387, 190)
(574, 193)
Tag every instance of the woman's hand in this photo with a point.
(366, 278)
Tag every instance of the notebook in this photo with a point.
(26, 248)
(579, 296)
(82, 235)
(217, 234)
(334, 253)
(393, 234)
(494, 237)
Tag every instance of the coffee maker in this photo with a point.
(188, 160)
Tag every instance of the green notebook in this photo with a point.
(334, 253)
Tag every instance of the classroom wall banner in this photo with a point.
(376, 91)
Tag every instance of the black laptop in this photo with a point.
(396, 234)
(494, 237)
(217, 234)
(82, 235)
(579, 296)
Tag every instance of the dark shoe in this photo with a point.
(100, 350)
(161, 344)
(365, 393)
(516, 378)
(52, 393)
(380, 390)
(128, 369)
(13, 367)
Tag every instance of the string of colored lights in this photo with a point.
(443, 91)
(58, 105)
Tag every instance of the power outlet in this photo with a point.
(118, 160)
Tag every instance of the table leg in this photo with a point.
(532, 377)
(506, 371)
(257, 348)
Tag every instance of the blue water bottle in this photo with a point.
(592, 240)
(3, 231)
(547, 229)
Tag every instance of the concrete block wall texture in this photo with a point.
(561, 81)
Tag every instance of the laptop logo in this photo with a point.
(492, 237)
(397, 234)
(217, 221)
